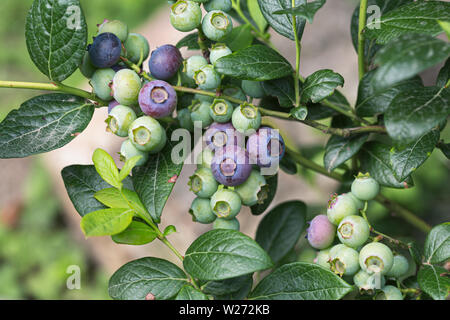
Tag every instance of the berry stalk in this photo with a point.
(361, 38)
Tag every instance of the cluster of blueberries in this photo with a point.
(366, 264)
(237, 148)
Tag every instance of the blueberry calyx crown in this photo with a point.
(332, 201)
(142, 135)
(219, 21)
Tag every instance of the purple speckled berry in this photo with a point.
(266, 147)
(321, 232)
(220, 135)
(231, 166)
(157, 99)
(165, 62)
(111, 105)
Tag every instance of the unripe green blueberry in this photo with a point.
(339, 207)
(126, 87)
(376, 257)
(194, 64)
(184, 118)
(201, 211)
(368, 282)
(116, 27)
(246, 117)
(253, 89)
(221, 110)
(399, 268)
(344, 261)
(216, 25)
(251, 191)
(234, 92)
(128, 151)
(204, 158)
(185, 16)
(226, 204)
(200, 112)
(365, 188)
(119, 120)
(359, 204)
(389, 293)
(218, 51)
(202, 183)
(86, 67)
(224, 5)
(323, 257)
(207, 78)
(101, 83)
(136, 45)
(232, 224)
(353, 231)
(147, 134)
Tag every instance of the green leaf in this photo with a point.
(407, 56)
(169, 230)
(299, 113)
(191, 42)
(415, 252)
(271, 190)
(56, 34)
(417, 17)
(320, 85)
(257, 62)
(288, 165)
(190, 293)
(437, 244)
(301, 281)
(154, 181)
(339, 149)
(221, 254)
(444, 75)
(445, 148)
(256, 14)
(372, 101)
(280, 229)
(230, 289)
(434, 280)
(136, 234)
(43, 124)
(240, 38)
(106, 167)
(317, 111)
(375, 158)
(283, 89)
(112, 197)
(406, 160)
(282, 23)
(445, 25)
(106, 222)
(139, 278)
(128, 166)
(306, 10)
(415, 112)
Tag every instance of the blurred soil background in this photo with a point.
(40, 235)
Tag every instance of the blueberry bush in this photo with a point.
(228, 91)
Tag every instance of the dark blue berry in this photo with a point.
(231, 166)
(266, 147)
(220, 135)
(105, 51)
(157, 99)
(165, 62)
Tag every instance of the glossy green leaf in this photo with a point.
(113, 198)
(136, 234)
(271, 190)
(306, 10)
(437, 244)
(222, 254)
(190, 293)
(301, 281)
(106, 222)
(42, 124)
(106, 167)
(280, 229)
(191, 42)
(169, 230)
(320, 85)
(445, 25)
(128, 166)
(317, 111)
(435, 281)
(299, 113)
(140, 278)
(415, 252)
(444, 75)
(445, 148)
(282, 89)
(230, 289)
(240, 38)
(339, 149)
(256, 14)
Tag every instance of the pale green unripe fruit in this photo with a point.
(390, 293)
(126, 87)
(399, 268)
(128, 151)
(136, 45)
(147, 135)
(86, 67)
(185, 15)
(219, 50)
(204, 158)
(101, 83)
(339, 207)
(224, 5)
(323, 256)
(368, 282)
(202, 183)
(344, 261)
(200, 113)
(359, 204)
(250, 191)
(115, 27)
(232, 224)
(365, 188)
(201, 211)
(216, 25)
(246, 117)
(207, 78)
(353, 231)
(253, 89)
(184, 118)
(376, 257)
(221, 110)
(194, 64)
(226, 204)
(119, 120)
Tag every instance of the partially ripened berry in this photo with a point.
(185, 15)
(200, 113)
(165, 62)
(365, 188)
(128, 150)
(353, 231)
(202, 183)
(344, 261)
(115, 27)
(339, 207)
(224, 5)
(157, 99)
(120, 119)
(193, 64)
(368, 282)
(246, 117)
(376, 257)
(205, 157)
(251, 191)
(218, 51)
(101, 83)
(207, 78)
(184, 119)
(221, 110)
(86, 67)
(399, 268)
(216, 25)
(219, 135)
(105, 50)
(253, 89)
(137, 48)
(321, 232)
(201, 211)
(389, 293)
(266, 147)
(226, 204)
(126, 87)
(232, 224)
(231, 166)
(147, 134)
(323, 258)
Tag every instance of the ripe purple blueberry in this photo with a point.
(105, 50)
(231, 166)
(321, 232)
(157, 99)
(266, 147)
(165, 62)
(220, 135)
